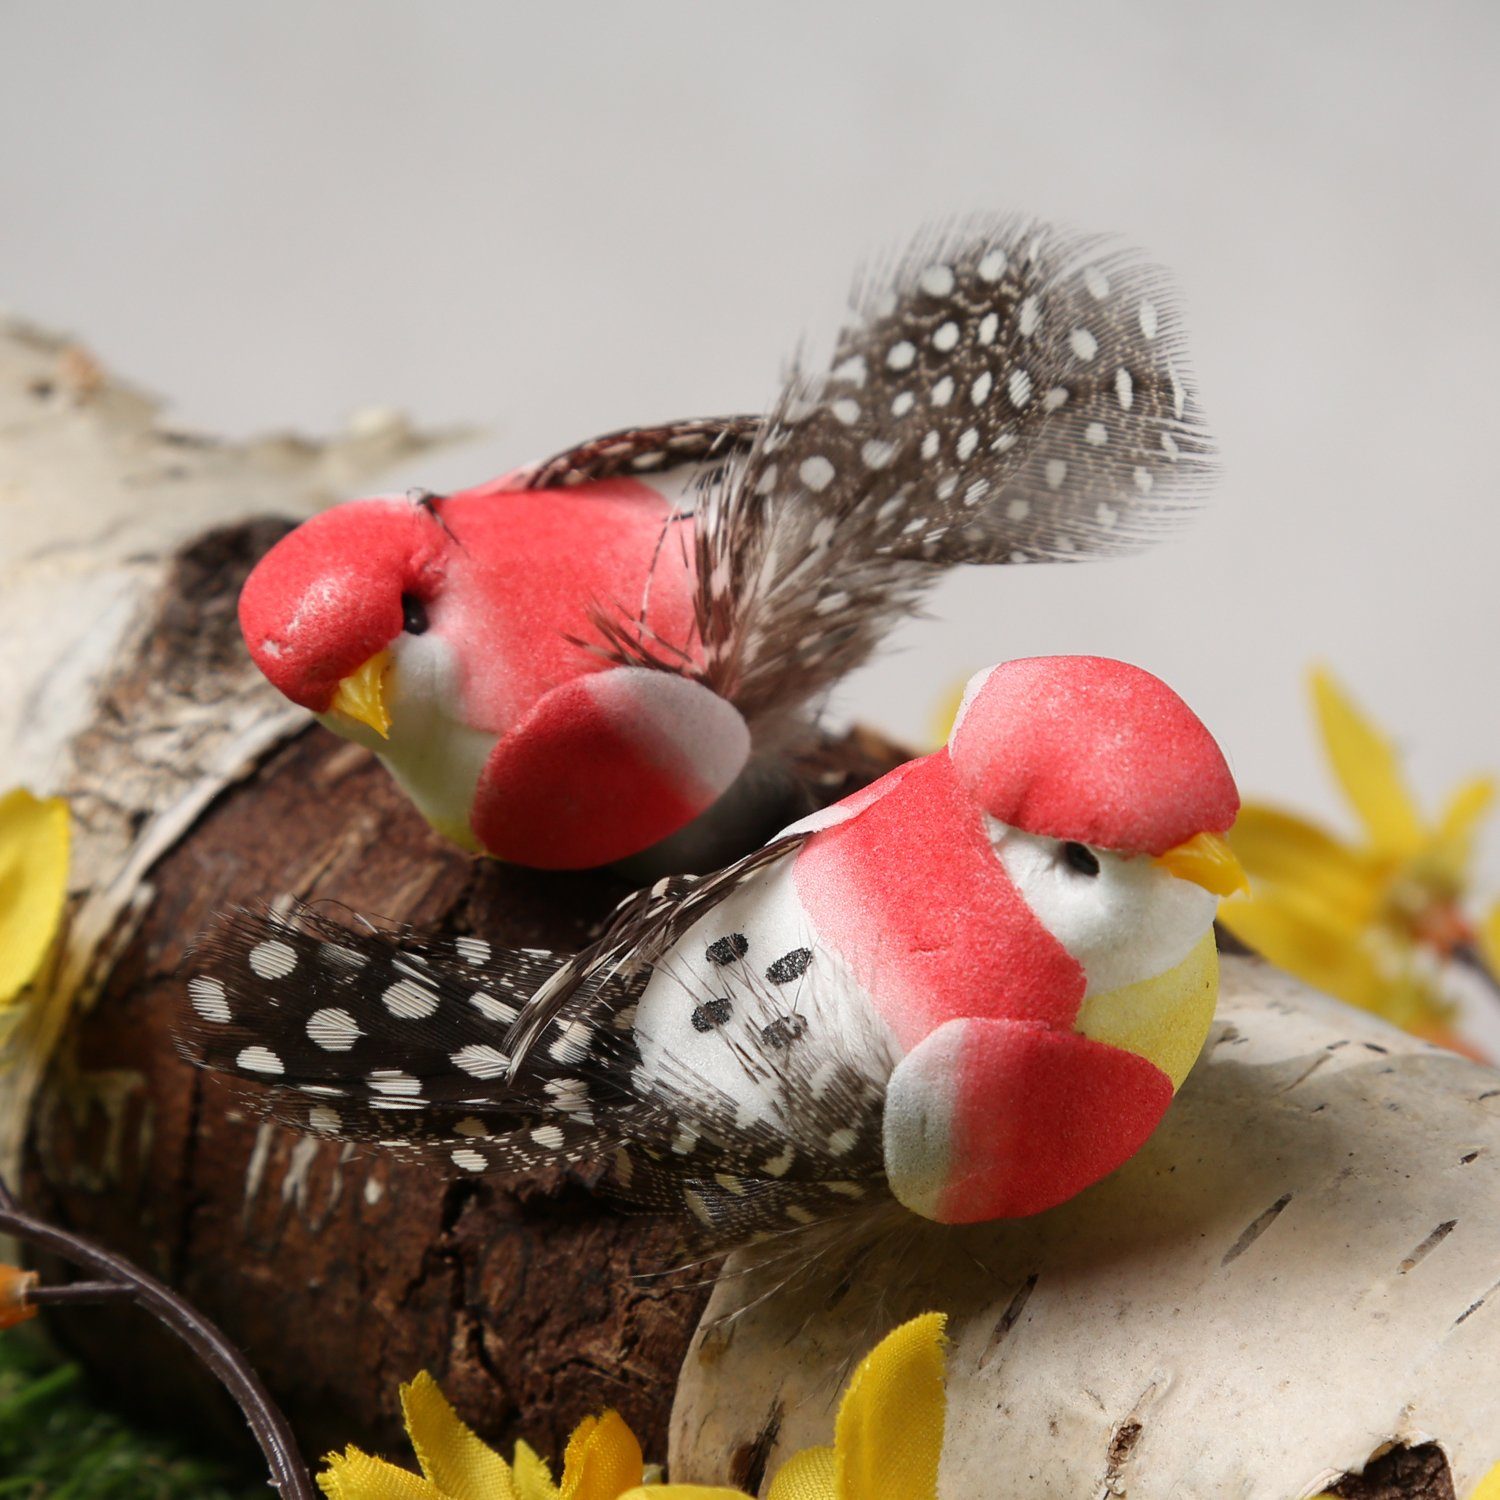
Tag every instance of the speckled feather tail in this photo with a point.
(388, 1036)
(1005, 393)
(408, 1044)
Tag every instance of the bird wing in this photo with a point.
(644, 450)
(485, 1059)
(1004, 392)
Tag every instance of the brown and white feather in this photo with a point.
(1005, 393)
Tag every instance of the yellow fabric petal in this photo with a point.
(34, 834)
(1369, 770)
(1285, 850)
(577, 1442)
(452, 1457)
(531, 1476)
(684, 1492)
(603, 1459)
(889, 1433)
(809, 1475)
(1489, 940)
(353, 1475)
(1488, 1487)
(1300, 940)
(1459, 824)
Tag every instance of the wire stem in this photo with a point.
(85, 1293)
(119, 1280)
(1471, 959)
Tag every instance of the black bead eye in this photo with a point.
(1081, 858)
(413, 614)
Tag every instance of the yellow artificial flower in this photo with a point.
(34, 835)
(888, 1437)
(1489, 940)
(887, 1442)
(602, 1460)
(1370, 920)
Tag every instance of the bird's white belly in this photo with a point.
(750, 998)
(433, 755)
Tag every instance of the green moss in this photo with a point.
(58, 1444)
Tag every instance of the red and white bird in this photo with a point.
(569, 665)
(971, 988)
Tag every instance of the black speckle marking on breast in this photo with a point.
(712, 1013)
(790, 966)
(783, 1031)
(725, 950)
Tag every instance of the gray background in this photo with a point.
(552, 220)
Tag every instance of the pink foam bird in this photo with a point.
(623, 646)
(970, 990)
(451, 635)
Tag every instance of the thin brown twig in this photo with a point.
(84, 1293)
(119, 1280)
(1470, 958)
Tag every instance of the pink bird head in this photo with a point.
(329, 595)
(457, 637)
(1089, 749)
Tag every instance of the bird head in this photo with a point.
(451, 635)
(358, 615)
(1106, 801)
(1103, 801)
(322, 610)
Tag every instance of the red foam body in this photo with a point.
(932, 926)
(606, 765)
(509, 577)
(530, 564)
(1041, 1114)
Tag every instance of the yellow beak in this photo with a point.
(361, 695)
(1206, 860)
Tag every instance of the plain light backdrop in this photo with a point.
(552, 220)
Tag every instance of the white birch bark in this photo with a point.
(1300, 1269)
(96, 496)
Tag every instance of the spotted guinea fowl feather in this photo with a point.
(638, 933)
(644, 450)
(1004, 393)
(483, 1059)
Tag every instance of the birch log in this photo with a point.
(1300, 1272)
(97, 494)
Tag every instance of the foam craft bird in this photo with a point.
(568, 665)
(973, 987)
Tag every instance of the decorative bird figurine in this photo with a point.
(569, 665)
(972, 987)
